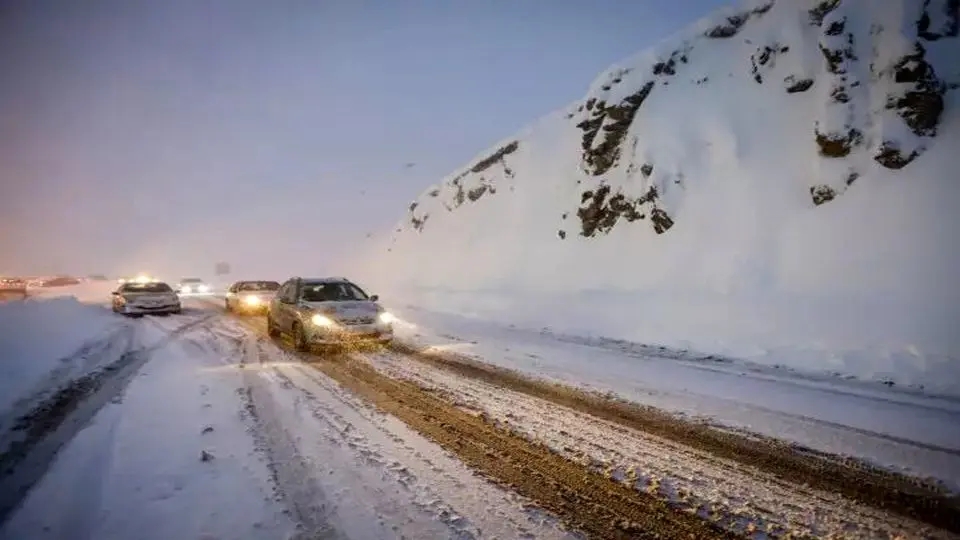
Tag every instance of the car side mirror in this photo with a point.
(114, 293)
(374, 297)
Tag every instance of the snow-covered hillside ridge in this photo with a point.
(779, 176)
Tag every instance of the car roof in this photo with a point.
(326, 280)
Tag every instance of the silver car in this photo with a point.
(327, 311)
(250, 296)
(143, 298)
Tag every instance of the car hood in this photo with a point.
(149, 297)
(345, 309)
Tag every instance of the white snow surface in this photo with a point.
(44, 336)
(889, 427)
(311, 461)
(135, 471)
(862, 285)
(732, 495)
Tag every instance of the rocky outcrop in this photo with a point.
(605, 129)
(732, 24)
(866, 105)
(471, 185)
(600, 211)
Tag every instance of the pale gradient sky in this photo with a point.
(165, 135)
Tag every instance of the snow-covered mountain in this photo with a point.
(777, 181)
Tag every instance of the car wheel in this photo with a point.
(226, 306)
(272, 329)
(300, 338)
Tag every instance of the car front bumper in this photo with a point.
(350, 334)
(244, 307)
(143, 310)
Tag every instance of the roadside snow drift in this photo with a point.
(40, 335)
(776, 182)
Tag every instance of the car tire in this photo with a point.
(300, 338)
(226, 306)
(272, 329)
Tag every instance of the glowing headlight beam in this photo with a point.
(387, 318)
(251, 300)
(321, 320)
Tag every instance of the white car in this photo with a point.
(144, 298)
(250, 296)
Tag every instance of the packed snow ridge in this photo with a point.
(776, 183)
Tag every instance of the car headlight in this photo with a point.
(203, 288)
(185, 288)
(251, 300)
(387, 318)
(322, 320)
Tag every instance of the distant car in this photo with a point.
(15, 288)
(143, 298)
(192, 286)
(250, 296)
(327, 311)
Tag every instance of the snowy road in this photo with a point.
(208, 442)
(891, 427)
(199, 426)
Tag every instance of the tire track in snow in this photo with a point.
(39, 435)
(291, 472)
(887, 491)
(585, 501)
(385, 479)
(741, 498)
(111, 344)
(424, 498)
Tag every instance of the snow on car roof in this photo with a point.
(326, 280)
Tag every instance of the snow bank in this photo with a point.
(38, 335)
(775, 182)
(92, 292)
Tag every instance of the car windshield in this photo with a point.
(332, 292)
(146, 288)
(259, 286)
(191, 280)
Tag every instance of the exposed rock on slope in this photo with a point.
(873, 65)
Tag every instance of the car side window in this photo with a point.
(292, 293)
(288, 292)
